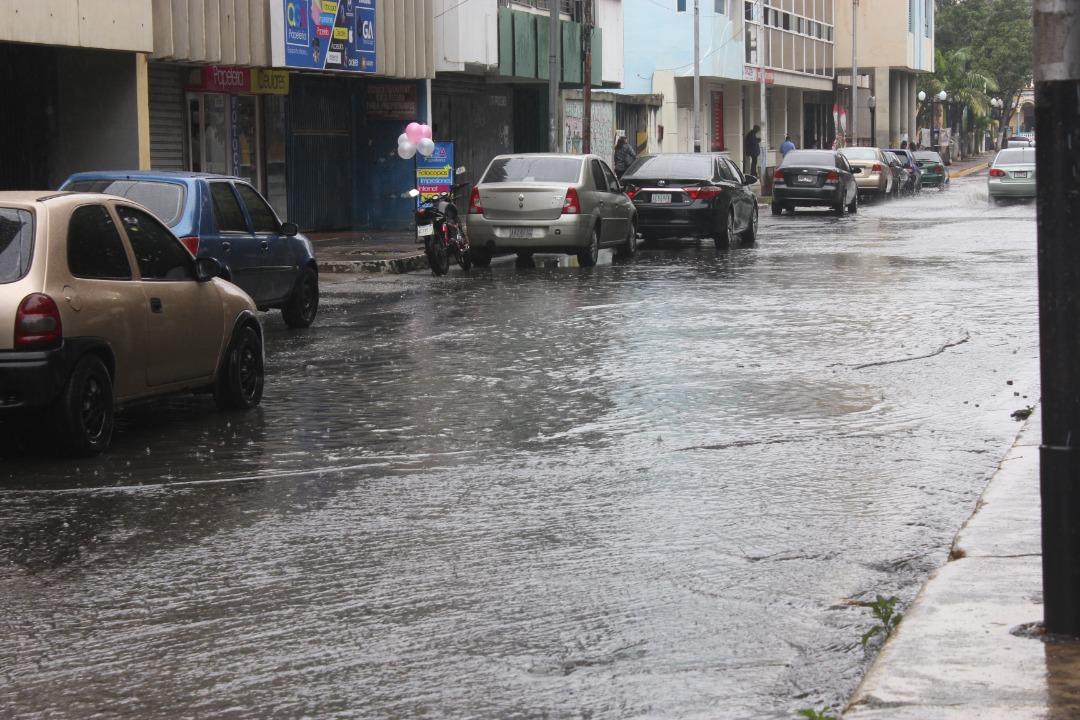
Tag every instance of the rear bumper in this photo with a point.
(829, 195)
(660, 221)
(1010, 189)
(31, 379)
(569, 232)
(875, 183)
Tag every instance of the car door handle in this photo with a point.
(155, 305)
(225, 246)
(265, 245)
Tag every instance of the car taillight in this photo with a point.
(37, 323)
(631, 191)
(876, 168)
(571, 206)
(475, 208)
(833, 176)
(192, 245)
(702, 192)
(779, 176)
(997, 173)
(939, 169)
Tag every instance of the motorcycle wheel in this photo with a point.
(461, 248)
(438, 258)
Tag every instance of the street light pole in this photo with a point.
(871, 102)
(697, 79)
(854, 71)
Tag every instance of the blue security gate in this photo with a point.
(320, 166)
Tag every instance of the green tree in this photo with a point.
(1000, 34)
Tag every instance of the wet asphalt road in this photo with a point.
(650, 489)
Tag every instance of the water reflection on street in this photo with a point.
(645, 489)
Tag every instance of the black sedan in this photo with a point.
(692, 195)
(815, 178)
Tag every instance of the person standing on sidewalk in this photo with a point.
(752, 147)
(786, 146)
(624, 156)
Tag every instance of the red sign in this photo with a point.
(753, 74)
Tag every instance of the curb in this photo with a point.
(399, 265)
(971, 170)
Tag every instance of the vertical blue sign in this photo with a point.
(330, 35)
(435, 174)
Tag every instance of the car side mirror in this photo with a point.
(206, 268)
(749, 179)
(289, 229)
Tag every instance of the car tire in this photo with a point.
(777, 208)
(480, 258)
(854, 206)
(239, 385)
(749, 235)
(303, 305)
(629, 248)
(838, 208)
(588, 255)
(727, 234)
(84, 409)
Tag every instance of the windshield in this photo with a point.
(1015, 156)
(533, 170)
(860, 153)
(16, 243)
(164, 199)
(819, 158)
(927, 155)
(673, 166)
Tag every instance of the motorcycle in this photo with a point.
(438, 227)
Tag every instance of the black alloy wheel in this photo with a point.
(588, 255)
(239, 384)
(629, 247)
(84, 409)
(300, 310)
(749, 235)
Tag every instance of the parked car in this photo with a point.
(1012, 174)
(933, 169)
(545, 202)
(1020, 141)
(815, 178)
(913, 184)
(876, 178)
(101, 306)
(692, 194)
(227, 219)
(900, 174)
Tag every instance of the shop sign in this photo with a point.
(391, 102)
(223, 79)
(270, 82)
(325, 35)
(753, 74)
(435, 174)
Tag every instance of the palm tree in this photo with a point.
(966, 89)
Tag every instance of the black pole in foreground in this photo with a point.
(1057, 155)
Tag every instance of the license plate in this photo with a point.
(425, 230)
(1020, 174)
(519, 232)
(661, 198)
(806, 178)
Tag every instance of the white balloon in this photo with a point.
(425, 147)
(406, 150)
(403, 138)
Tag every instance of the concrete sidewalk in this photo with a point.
(966, 648)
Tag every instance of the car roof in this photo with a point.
(27, 197)
(163, 175)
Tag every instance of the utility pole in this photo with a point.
(697, 78)
(762, 174)
(553, 78)
(1057, 97)
(854, 71)
(586, 115)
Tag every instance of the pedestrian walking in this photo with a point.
(624, 156)
(786, 146)
(752, 147)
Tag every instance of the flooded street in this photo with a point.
(648, 489)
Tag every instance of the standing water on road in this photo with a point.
(646, 489)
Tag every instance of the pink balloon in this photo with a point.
(412, 130)
(425, 131)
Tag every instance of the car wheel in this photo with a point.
(480, 258)
(628, 248)
(303, 304)
(84, 409)
(838, 208)
(749, 235)
(854, 206)
(525, 261)
(588, 255)
(724, 238)
(239, 384)
(777, 208)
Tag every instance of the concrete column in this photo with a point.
(895, 109)
(882, 116)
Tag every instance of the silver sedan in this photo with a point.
(549, 203)
(1012, 174)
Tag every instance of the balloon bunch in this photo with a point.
(415, 139)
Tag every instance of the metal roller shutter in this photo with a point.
(168, 131)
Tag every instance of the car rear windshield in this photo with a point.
(819, 158)
(1015, 156)
(533, 170)
(16, 243)
(860, 154)
(927, 155)
(165, 199)
(673, 166)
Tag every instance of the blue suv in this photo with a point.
(227, 219)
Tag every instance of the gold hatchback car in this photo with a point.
(102, 306)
